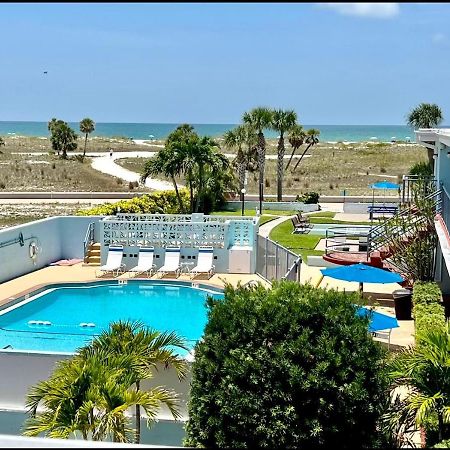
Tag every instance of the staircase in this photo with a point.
(92, 256)
(412, 223)
(91, 248)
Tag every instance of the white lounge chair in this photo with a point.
(204, 262)
(145, 261)
(171, 262)
(114, 263)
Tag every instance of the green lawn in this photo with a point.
(265, 219)
(302, 244)
(329, 214)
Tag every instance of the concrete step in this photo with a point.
(95, 246)
(94, 252)
(93, 259)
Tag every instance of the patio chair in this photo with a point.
(114, 263)
(204, 262)
(171, 262)
(145, 261)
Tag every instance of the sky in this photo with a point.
(208, 63)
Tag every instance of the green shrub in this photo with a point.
(426, 293)
(161, 202)
(443, 444)
(308, 198)
(292, 366)
(422, 169)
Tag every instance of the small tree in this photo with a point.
(63, 138)
(292, 366)
(87, 126)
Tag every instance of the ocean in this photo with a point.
(328, 133)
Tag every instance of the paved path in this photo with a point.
(266, 228)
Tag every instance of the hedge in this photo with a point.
(162, 202)
(428, 312)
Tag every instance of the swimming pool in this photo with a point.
(62, 318)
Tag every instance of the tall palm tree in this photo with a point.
(282, 121)
(87, 126)
(209, 160)
(150, 348)
(236, 139)
(424, 371)
(311, 139)
(296, 139)
(259, 119)
(426, 115)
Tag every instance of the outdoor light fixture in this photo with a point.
(243, 191)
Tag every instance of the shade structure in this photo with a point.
(384, 185)
(362, 273)
(378, 321)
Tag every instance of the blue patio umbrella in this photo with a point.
(362, 273)
(378, 321)
(384, 185)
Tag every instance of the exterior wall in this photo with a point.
(279, 206)
(57, 238)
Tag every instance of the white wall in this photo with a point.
(59, 237)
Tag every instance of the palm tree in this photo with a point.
(87, 126)
(259, 119)
(150, 348)
(63, 138)
(296, 139)
(235, 139)
(426, 115)
(282, 121)
(424, 371)
(167, 162)
(209, 160)
(90, 393)
(311, 138)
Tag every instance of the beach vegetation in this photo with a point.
(2, 144)
(289, 366)
(87, 126)
(422, 169)
(90, 393)
(282, 122)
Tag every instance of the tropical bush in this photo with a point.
(428, 312)
(308, 198)
(443, 444)
(291, 366)
(422, 169)
(90, 393)
(161, 202)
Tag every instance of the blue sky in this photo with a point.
(208, 63)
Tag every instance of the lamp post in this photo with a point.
(243, 191)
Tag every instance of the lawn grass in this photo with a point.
(264, 219)
(326, 220)
(301, 244)
(329, 214)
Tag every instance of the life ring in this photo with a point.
(33, 250)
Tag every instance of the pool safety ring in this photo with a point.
(33, 250)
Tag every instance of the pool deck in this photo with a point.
(402, 336)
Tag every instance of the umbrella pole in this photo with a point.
(361, 289)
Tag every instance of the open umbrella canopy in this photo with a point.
(362, 273)
(378, 321)
(384, 185)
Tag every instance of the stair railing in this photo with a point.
(89, 238)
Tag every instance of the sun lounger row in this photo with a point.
(145, 265)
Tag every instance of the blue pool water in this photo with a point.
(165, 307)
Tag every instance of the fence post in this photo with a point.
(276, 260)
(265, 256)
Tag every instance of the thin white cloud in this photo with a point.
(439, 38)
(373, 10)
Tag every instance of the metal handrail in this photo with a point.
(89, 237)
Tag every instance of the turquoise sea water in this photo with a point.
(328, 133)
(164, 307)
